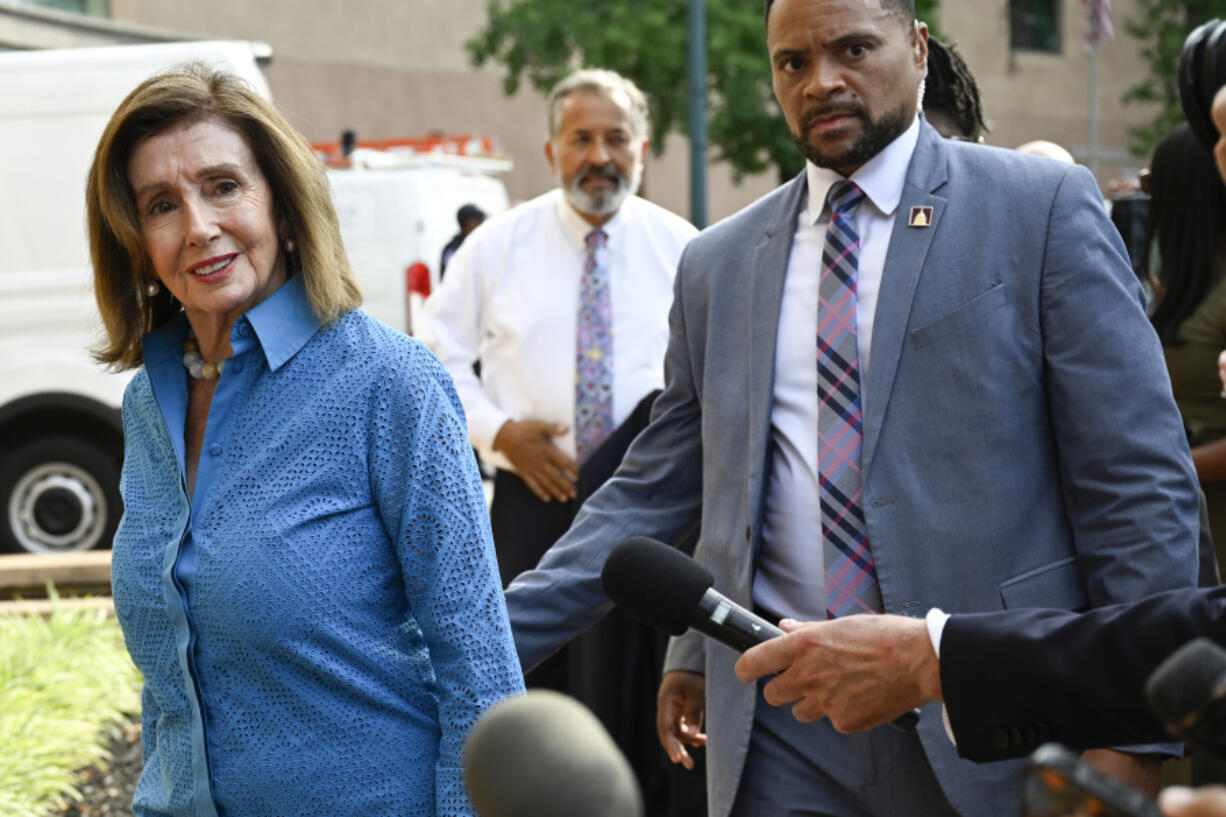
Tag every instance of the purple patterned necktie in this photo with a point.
(851, 578)
(594, 351)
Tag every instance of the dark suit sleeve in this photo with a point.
(1130, 490)
(1014, 678)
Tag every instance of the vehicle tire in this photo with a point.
(58, 494)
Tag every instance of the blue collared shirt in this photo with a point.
(321, 622)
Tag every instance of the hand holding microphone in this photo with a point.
(859, 671)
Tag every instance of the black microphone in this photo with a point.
(1187, 691)
(544, 754)
(668, 590)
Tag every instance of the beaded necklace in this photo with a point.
(194, 362)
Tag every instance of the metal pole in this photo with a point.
(696, 50)
(1093, 157)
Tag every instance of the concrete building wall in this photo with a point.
(1030, 95)
(26, 27)
(389, 68)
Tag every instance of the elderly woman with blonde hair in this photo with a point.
(304, 571)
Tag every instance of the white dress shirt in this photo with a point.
(510, 299)
(789, 578)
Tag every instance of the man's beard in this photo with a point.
(876, 135)
(602, 202)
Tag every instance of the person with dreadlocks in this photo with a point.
(951, 95)
(1187, 264)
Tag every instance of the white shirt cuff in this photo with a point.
(935, 620)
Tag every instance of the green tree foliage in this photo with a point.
(1162, 26)
(544, 40)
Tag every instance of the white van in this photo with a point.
(397, 212)
(61, 439)
(60, 431)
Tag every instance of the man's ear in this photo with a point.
(920, 44)
(549, 157)
(643, 151)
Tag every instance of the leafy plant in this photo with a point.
(1162, 26)
(64, 680)
(645, 40)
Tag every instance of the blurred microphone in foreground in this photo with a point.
(1187, 691)
(544, 754)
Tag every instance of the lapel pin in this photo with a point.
(920, 217)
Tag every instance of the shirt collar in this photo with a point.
(881, 177)
(576, 229)
(284, 321)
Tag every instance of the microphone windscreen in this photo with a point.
(655, 583)
(1187, 684)
(544, 754)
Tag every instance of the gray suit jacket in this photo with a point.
(1021, 444)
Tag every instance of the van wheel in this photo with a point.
(58, 494)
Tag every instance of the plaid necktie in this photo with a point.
(594, 351)
(851, 578)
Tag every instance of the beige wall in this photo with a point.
(389, 68)
(23, 27)
(1029, 95)
(398, 67)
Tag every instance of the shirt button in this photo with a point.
(236, 366)
(215, 449)
(244, 329)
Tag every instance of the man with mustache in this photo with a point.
(918, 375)
(563, 301)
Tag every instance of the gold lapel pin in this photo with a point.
(920, 217)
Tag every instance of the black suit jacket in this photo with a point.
(1017, 678)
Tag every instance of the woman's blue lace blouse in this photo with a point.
(320, 624)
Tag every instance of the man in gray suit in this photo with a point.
(988, 424)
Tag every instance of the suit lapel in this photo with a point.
(903, 263)
(766, 299)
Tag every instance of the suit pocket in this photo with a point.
(1056, 584)
(963, 316)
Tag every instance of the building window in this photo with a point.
(95, 8)
(1034, 25)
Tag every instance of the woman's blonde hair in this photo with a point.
(122, 268)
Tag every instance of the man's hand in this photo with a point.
(679, 708)
(547, 472)
(1207, 801)
(1142, 772)
(859, 671)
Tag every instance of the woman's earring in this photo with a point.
(152, 289)
(291, 246)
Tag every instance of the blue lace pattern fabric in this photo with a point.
(321, 623)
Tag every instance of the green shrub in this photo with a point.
(64, 680)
